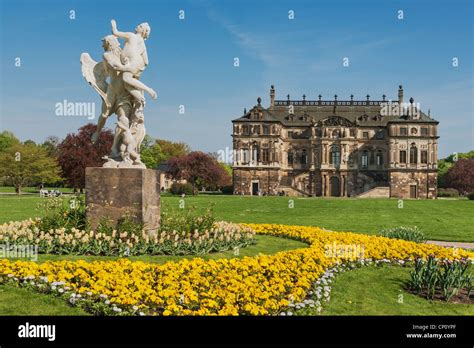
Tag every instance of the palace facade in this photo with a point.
(339, 148)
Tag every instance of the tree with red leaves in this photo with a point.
(461, 176)
(199, 169)
(76, 152)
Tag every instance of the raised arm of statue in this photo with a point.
(121, 34)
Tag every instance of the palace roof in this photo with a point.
(358, 112)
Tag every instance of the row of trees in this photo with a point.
(62, 162)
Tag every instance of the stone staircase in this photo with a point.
(292, 191)
(375, 192)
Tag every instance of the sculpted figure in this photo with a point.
(134, 57)
(122, 94)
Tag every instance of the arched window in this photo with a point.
(365, 159)
(335, 155)
(413, 154)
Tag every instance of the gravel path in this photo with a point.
(463, 245)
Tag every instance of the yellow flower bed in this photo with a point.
(261, 285)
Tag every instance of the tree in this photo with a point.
(28, 164)
(461, 176)
(29, 142)
(7, 139)
(154, 152)
(76, 152)
(199, 169)
(51, 145)
(445, 163)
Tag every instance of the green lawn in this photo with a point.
(451, 220)
(18, 301)
(363, 291)
(11, 189)
(376, 291)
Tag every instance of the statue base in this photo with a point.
(111, 163)
(114, 193)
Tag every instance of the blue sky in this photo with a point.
(191, 60)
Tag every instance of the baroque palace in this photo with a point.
(339, 148)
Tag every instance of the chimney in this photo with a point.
(272, 96)
(400, 94)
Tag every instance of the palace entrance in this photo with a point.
(255, 188)
(335, 186)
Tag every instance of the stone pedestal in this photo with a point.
(114, 193)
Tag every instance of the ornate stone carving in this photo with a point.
(335, 121)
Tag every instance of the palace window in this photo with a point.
(290, 134)
(265, 155)
(365, 135)
(351, 159)
(245, 155)
(424, 131)
(336, 133)
(352, 133)
(290, 157)
(380, 134)
(403, 131)
(403, 156)
(335, 155)
(304, 157)
(379, 159)
(365, 159)
(266, 129)
(255, 154)
(424, 157)
(413, 155)
(245, 130)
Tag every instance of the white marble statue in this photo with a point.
(123, 93)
